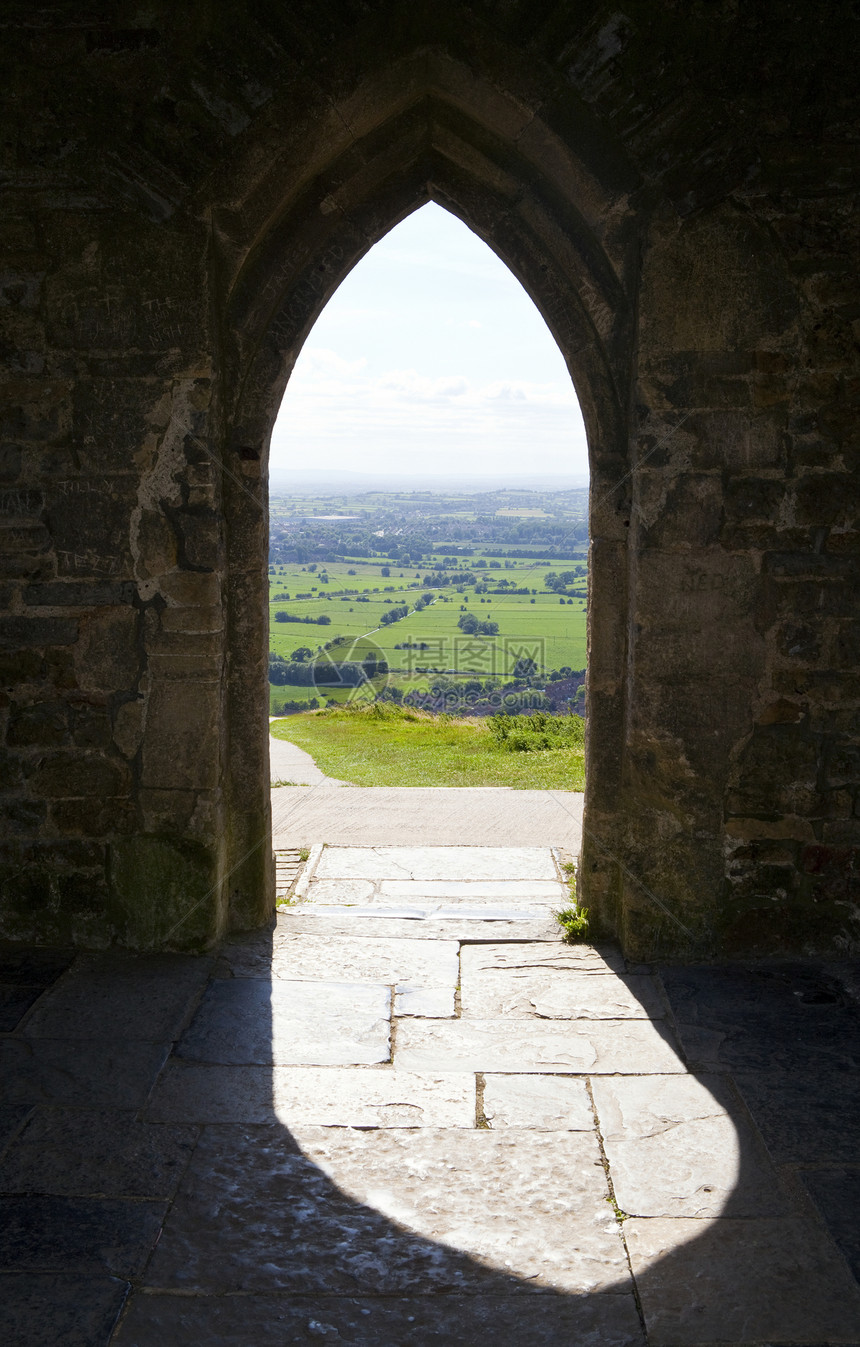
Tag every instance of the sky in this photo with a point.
(430, 359)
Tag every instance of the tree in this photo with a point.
(525, 667)
(304, 652)
(386, 570)
(324, 620)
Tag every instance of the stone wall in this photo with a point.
(677, 190)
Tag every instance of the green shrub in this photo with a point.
(541, 730)
(574, 923)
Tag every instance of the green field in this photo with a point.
(386, 746)
(549, 630)
(289, 692)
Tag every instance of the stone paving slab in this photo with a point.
(431, 1003)
(87, 1074)
(506, 983)
(386, 1212)
(87, 1235)
(836, 1194)
(308, 1095)
(566, 995)
(474, 912)
(249, 1021)
(395, 1321)
(73, 1153)
(339, 892)
(805, 1112)
(675, 1149)
(341, 923)
(14, 1004)
(741, 1281)
(44, 1309)
(505, 892)
(437, 863)
(804, 1022)
(596, 959)
(545, 1103)
(373, 959)
(581, 1046)
(12, 1117)
(25, 966)
(119, 996)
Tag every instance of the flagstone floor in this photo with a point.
(408, 1114)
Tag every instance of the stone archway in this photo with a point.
(432, 150)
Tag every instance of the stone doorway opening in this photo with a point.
(428, 446)
(275, 301)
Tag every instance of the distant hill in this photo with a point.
(322, 483)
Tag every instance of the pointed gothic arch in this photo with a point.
(531, 218)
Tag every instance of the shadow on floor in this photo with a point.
(217, 1224)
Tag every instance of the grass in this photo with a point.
(385, 745)
(573, 920)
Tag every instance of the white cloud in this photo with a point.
(335, 407)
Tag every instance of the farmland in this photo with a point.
(389, 578)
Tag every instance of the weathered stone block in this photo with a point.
(94, 818)
(191, 588)
(79, 593)
(194, 620)
(128, 727)
(164, 892)
(181, 743)
(43, 724)
(200, 538)
(69, 774)
(107, 658)
(155, 547)
(16, 632)
(23, 816)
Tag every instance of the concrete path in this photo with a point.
(430, 816)
(409, 1115)
(290, 763)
